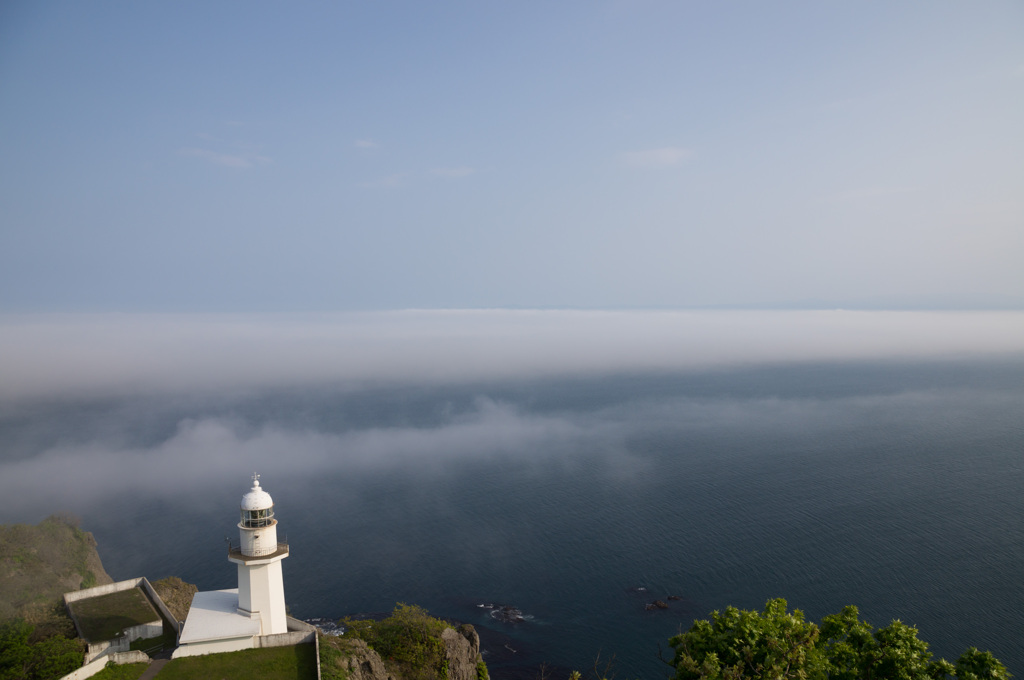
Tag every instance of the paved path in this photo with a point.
(153, 669)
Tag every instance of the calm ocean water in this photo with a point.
(895, 487)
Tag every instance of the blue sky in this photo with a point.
(271, 157)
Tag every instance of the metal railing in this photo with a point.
(236, 551)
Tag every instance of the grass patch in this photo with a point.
(128, 671)
(176, 594)
(275, 663)
(334, 655)
(106, 616)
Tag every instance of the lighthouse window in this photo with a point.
(257, 518)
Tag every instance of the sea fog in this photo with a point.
(575, 465)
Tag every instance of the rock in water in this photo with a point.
(505, 613)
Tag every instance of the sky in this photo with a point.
(269, 158)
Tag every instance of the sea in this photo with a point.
(551, 512)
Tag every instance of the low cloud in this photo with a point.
(55, 356)
(84, 474)
(222, 447)
(662, 157)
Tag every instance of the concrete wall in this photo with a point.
(95, 666)
(316, 646)
(214, 646)
(295, 624)
(289, 639)
(96, 591)
(299, 632)
(99, 649)
(147, 587)
(88, 670)
(145, 631)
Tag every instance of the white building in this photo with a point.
(243, 617)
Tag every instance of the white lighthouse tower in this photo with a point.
(230, 620)
(260, 581)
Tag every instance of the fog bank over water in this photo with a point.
(57, 356)
(208, 452)
(169, 456)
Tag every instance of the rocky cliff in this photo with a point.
(462, 650)
(409, 645)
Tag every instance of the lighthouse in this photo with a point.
(259, 555)
(244, 617)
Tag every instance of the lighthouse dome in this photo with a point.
(257, 498)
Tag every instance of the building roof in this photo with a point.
(214, 615)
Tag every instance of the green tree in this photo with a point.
(854, 651)
(15, 651)
(55, 657)
(50, 658)
(941, 670)
(770, 645)
(847, 642)
(975, 665)
(776, 644)
(900, 655)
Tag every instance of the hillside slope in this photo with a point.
(39, 563)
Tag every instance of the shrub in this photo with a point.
(409, 638)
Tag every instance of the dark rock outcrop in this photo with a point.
(462, 650)
(356, 661)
